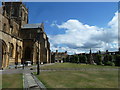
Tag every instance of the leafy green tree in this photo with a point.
(117, 60)
(85, 59)
(72, 59)
(82, 59)
(76, 59)
(111, 58)
(67, 59)
(64, 60)
(108, 60)
(88, 59)
(99, 59)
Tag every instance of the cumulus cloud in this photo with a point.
(79, 37)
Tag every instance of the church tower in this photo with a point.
(15, 11)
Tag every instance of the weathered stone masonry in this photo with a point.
(18, 38)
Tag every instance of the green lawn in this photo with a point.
(74, 65)
(12, 81)
(79, 79)
(0, 81)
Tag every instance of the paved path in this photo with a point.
(21, 70)
(31, 82)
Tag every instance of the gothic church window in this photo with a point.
(14, 12)
(11, 50)
(45, 44)
(4, 27)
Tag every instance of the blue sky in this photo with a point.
(77, 27)
(97, 13)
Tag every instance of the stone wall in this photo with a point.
(6, 41)
(9, 37)
(30, 40)
(18, 44)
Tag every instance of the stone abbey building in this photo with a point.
(20, 41)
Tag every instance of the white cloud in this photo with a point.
(53, 23)
(81, 37)
(114, 22)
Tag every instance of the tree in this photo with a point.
(82, 59)
(67, 59)
(72, 59)
(64, 60)
(76, 59)
(108, 60)
(99, 59)
(117, 60)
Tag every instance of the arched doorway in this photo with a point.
(27, 54)
(3, 62)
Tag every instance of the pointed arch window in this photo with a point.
(11, 50)
(4, 27)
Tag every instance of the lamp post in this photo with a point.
(38, 39)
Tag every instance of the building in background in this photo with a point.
(18, 38)
(58, 56)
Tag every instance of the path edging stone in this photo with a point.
(39, 82)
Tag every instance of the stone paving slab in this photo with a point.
(31, 81)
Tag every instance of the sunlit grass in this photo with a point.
(74, 65)
(0, 81)
(12, 81)
(79, 79)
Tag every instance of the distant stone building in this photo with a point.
(18, 38)
(58, 56)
